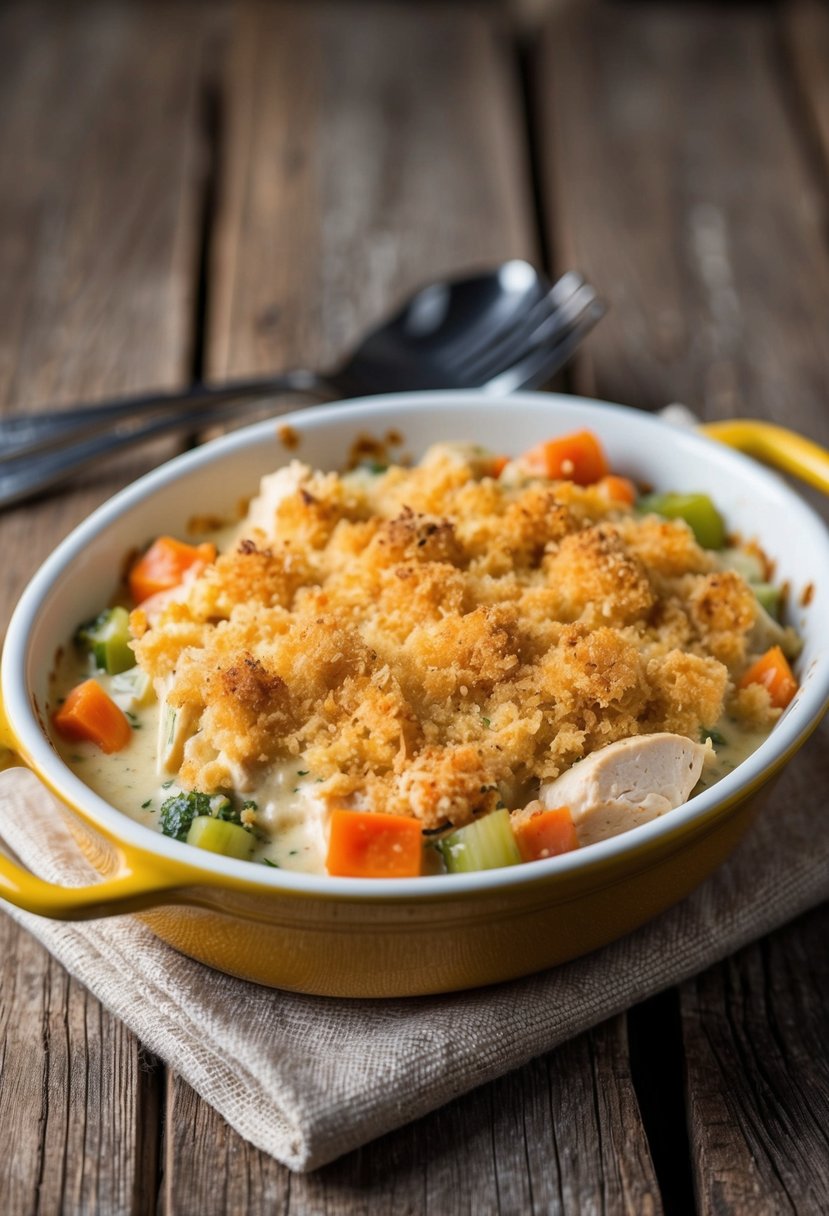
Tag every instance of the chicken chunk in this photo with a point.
(626, 784)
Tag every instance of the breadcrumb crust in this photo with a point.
(432, 641)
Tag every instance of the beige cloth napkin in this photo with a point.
(306, 1078)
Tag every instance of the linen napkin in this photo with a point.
(308, 1078)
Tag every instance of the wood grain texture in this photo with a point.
(368, 148)
(677, 181)
(559, 1136)
(99, 200)
(805, 37)
(208, 1167)
(684, 156)
(99, 207)
(78, 1102)
(758, 1076)
(98, 162)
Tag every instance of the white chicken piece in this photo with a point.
(273, 490)
(626, 784)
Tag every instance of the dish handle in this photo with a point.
(134, 888)
(776, 446)
(141, 882)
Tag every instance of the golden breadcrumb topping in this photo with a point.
(432, 641)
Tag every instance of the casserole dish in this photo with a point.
(353, 937)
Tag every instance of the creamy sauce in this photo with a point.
(290, 820)
(291, 809)
(733, 744)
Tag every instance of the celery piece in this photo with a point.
(742, 562)
(107, 638)
(770, 597)
(219, 836)
(698, 511)
(486, 844)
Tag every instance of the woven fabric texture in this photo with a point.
(308, 1078)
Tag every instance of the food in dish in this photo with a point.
(471, 663)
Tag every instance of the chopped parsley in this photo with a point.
(178, 813)
(226, 811)
(714, 735)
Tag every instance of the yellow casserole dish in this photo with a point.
(355, 937)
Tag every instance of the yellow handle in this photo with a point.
(775, 445)
(8, 743)
(143, 881)
(133, 889)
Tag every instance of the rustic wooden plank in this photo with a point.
(223, 1172)
(561, 1135)
(101, 164)
(368, 149)
(758, 1075)
(78, 1103)
(676, 179)
(602, 1160)
(99, 206)
(805, 33)
(683, 174)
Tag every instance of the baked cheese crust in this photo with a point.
(434, 641)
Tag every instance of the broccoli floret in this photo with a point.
(178, 812)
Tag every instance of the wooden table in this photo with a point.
(217, 188)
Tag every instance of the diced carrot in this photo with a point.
(545, 833)
(499, 463)
(775, 674)
(89, 713)
(363, 844)
(618, 489)
(579, 457)
(164, 565)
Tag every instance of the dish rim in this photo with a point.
(33, 744)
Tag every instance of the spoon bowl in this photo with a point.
(460, 333)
